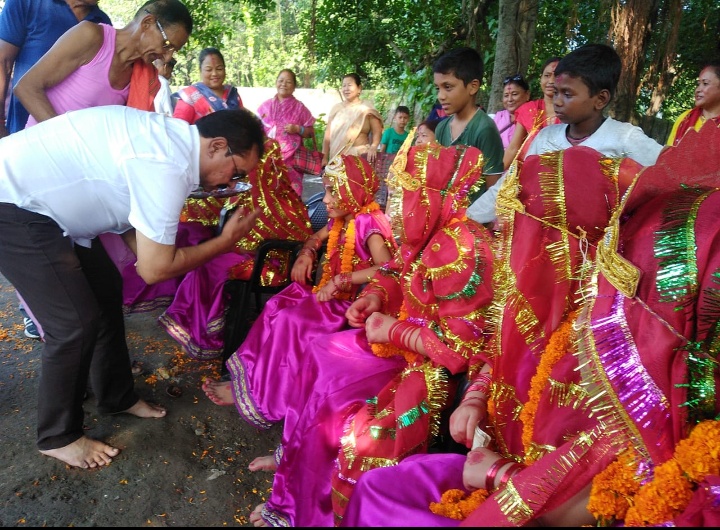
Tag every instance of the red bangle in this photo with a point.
(509, 473)
(492, 473)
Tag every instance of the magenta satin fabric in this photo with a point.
(138, 296)
(265, 368)
(377, 502)
(196, 316)
(337, 372)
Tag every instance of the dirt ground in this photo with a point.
(187, 469)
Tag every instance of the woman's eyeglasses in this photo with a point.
(511, 78)
(167, 45)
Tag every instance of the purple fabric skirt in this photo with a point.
(138, 296)
(401, 495)
(196, 316)
(338, 373)
(264, 369)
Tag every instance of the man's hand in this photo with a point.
(157, 262)
(237, 226)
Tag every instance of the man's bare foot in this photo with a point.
(143, 409)
(219, 392)
(256, 516)
(85, 453)
(263, 463)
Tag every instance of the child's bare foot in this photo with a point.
(256, 516)
(85, 453)
(263, 463)
(219, 392)
(143, 409)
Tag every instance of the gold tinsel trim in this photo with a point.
(458, 264)
(553, 197)
(622, 274)
(568, 394)
(513, 506)
(526, 321)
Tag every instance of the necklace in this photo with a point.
(572, 139)
(346, 252)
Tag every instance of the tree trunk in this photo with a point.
(630, 33)
(661, 74)
(307, 76)
(516, 33)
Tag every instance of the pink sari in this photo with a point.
(275, 114)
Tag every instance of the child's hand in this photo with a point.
(361, 308)
(465, 418)
(327, 292)
(302, 270)
(477, 465)
(377, 327)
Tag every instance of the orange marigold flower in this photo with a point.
(456, 505)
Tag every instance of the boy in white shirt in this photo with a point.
(585, 83)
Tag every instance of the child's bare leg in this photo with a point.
(219, 392)
(85, 453)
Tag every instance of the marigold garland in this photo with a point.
(617, 495)
(348, 250)
(347, 253)
(613, 488)
(456, 504)
(555, 350)
(387, 349)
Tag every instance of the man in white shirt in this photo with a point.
(69, 179)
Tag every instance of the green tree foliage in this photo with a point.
(395, 36)
(392, 44)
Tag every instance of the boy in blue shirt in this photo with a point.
(393, 137)
(457, 77)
